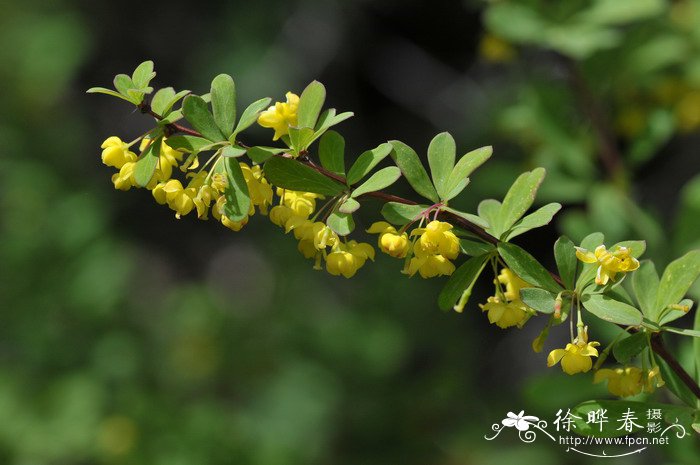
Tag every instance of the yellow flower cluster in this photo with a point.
(316, 240)
(432, 251)
(610, 263)
(118, 154)
(281, 116)
(576, 356)
(429, 253)
(505, 309)
(203, 191)
(629, 381)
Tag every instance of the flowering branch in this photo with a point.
(426, 241)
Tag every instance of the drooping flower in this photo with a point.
(435, 247)
(610, 263)
(513, 283)
(505, 314)
(436, 239)
(346, 258)
(259, 189)
(116, 153)
(390, 241)
(280, 116)
(576, 356)
(622, 382)
(429, 266)
(124, 179)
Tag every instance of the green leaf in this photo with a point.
(232, 151)
(291, 174)
(527, 267)
(102, 90)
(592, 241)
(679, 275)
(441, 159)
(261, 154)
(148, 162)
(696, 346)
(175, 98)
(615, 409)
(367, 161)
(620, 12)
(488, 210)
(196, 112)
(475, 248)
(469, 217)
(161, 99)
(675, 385)
(301, 138)
(645, 285)
(625, 349)
(519, 199)
(237, 203)
(378, 181)
(341, 223)
(328, 119)
(612, 310)
(462, 278)
(250, 114)
(331, 152)
(187, 143)
(682, 331)
(407, 160)
(223, 103)
(310, 104)
(536, 219)
(123, 84)
(349, 206)
(400, 213)
(464, 167)
(565, 256)
(674, 314)
(538, 299)
(143, 74)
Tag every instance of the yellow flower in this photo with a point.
(259, 189)
(124, 179)
(609, 263)
(513, 284)
(505, 314)
(116, 153)
(430, 266)
(436, 238)
(280, 214)
(218, 213)
(301, 203)
(167, 159)
(576, 357)
(346, 259)
(323, 236)
(280, 116)
(622, 382)
(390, 241)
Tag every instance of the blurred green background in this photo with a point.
(129, 337)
